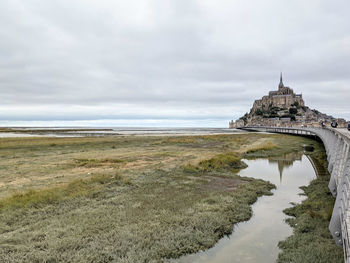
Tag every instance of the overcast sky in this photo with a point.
(167, 62)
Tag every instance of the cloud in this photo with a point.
(87, 59)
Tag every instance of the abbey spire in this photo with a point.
(281, 86)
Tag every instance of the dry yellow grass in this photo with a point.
(260, 146)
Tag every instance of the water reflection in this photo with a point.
(256, 240)
(285, 161)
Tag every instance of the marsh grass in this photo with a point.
(225, 161)
(275, 146)
(228, 160)
(180, 140)
(96, 162)
(76, 188)
(266, 146)
(125, 199)
(154, 221)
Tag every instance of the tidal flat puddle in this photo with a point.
(256, 240)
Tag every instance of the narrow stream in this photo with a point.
(256, 240)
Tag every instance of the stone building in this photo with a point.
(284, 108)
(236, 124)
(231, 124)
(284, 97)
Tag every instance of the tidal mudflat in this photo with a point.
(127, 198)
(83, 132)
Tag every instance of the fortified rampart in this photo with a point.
(280, 101)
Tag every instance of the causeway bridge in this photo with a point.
(337, 145)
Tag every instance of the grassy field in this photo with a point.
(126, 198)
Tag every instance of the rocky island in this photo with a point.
(284, 108)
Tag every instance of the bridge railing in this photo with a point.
(337, 145)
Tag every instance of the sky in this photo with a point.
(167, 62)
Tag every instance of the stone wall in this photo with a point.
(236, 124)
(285, 101)
(281, 101)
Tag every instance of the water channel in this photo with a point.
(256, 240)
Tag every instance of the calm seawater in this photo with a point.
(59, 132)
(256, 239)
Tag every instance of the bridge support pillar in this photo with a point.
(335, 225)
(337, 170)
(335, 164)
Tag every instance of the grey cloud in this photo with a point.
(171, 56)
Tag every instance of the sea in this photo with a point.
(112, 131)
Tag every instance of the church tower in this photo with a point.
(280, 86)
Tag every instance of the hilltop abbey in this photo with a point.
(282, 98)
(283, 108)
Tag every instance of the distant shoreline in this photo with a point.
(116, 131)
